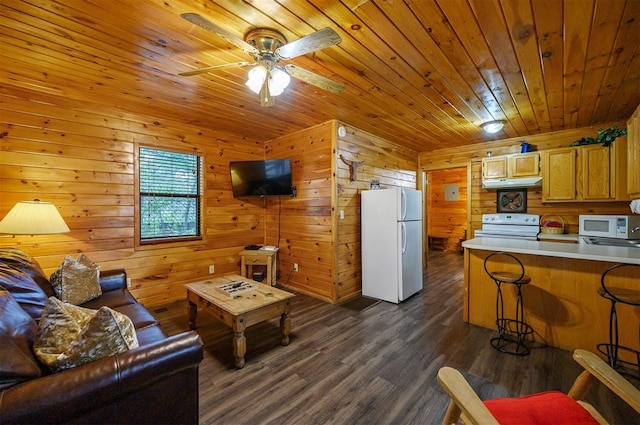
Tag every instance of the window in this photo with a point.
(170, 195)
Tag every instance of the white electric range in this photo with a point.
(510, 226)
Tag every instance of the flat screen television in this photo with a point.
(270, 177)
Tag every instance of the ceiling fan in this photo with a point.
(268, 78)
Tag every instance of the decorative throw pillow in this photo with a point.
(69, 336)
(17, 330)
(77, 281)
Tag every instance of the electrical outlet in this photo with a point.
(128, 283)
(341, 214)
(295, 267)
(212, 269)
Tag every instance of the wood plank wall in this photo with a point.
(303, 226)
(392, 166)
(484, 201)
(447, 218)
(325, 247)
(80, 156)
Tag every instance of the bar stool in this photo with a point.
(512, 332)
(624, 296)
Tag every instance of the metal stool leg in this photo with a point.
(512, 333)
(500, 311)
(522, 328)
(613, 336)
(624, 359)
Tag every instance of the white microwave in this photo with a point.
(610, 226)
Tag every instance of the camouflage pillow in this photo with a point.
(70, 336)
(77, 281)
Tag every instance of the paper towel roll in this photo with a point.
(635, 206)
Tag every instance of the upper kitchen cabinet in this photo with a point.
(559, 174)
(633, 155)
(525, 165)
(585, 173)
(595, 170)
(494, 167)
(508, 171)
(506, 166)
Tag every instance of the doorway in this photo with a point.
(447, 200)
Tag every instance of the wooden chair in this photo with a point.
(466, 405)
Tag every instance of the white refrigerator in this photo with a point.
(391, 243)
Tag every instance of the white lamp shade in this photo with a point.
(256, 78)
(33, 218)
(278, 81)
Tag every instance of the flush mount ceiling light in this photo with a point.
(493, 126)
(267, 78)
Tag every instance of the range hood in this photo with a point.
(512, 182)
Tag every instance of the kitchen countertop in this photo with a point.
(612, 254)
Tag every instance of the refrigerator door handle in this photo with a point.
(403, 205)
(403, 236)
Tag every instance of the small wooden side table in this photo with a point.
(250, 258)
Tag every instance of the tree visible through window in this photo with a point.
(170, 195)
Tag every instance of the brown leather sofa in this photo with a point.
(154, 383)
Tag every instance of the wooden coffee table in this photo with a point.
(240, 311)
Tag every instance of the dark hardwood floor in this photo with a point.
(354, 364)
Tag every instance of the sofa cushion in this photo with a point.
(17, 332)
(69, 336)
(24, 289)
(550, 407)
(21, 261)
(77, 281)
(150, 334)
(114, 298)
(139, 315)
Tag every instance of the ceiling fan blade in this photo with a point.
(214, 68)
(315, 41)
(206, 24)
(315, 79)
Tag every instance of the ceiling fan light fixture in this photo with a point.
(278, 81)
(268, 47)
(493, 126)
(256, 78)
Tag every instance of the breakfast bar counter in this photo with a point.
(561, 303)
(613, 254)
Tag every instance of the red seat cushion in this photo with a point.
(551, 407)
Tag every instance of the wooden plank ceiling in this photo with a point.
(422, 73)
